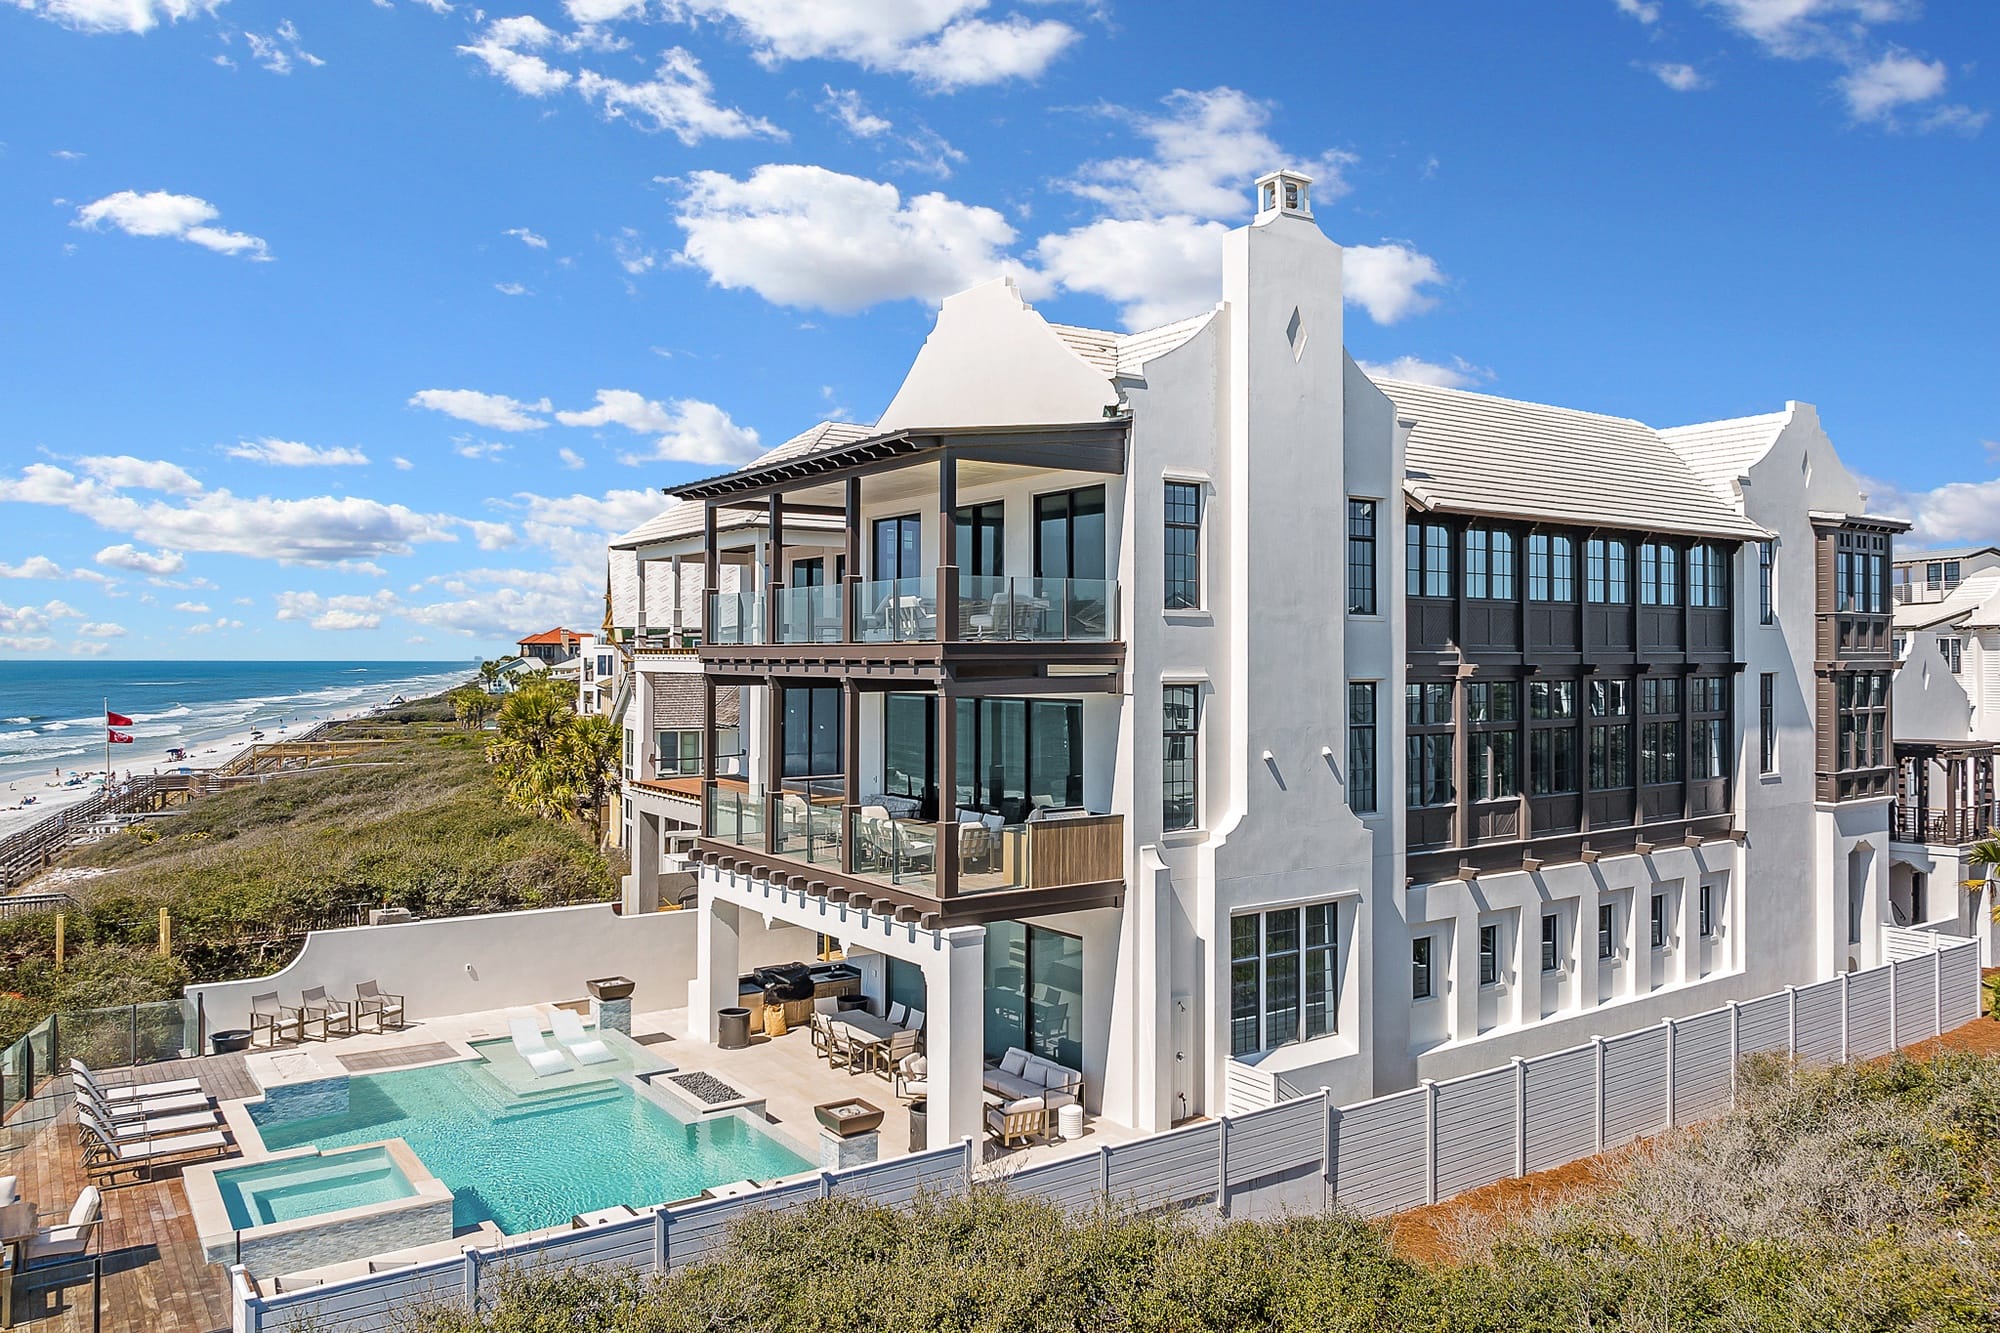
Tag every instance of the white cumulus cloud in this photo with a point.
(527, 238)
(117, 15)
(1389, 281)
(1679, 77)
(1459, 374)
(686, 430)
(127, 556)
(495, 411)
(159, 213)
(142, 474)
(1153, 269)
(291, 453)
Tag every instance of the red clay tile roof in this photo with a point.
(560, 636)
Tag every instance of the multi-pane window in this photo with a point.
(1183, 545)
(1489, 564)
(1941, 575)
(1607, 577)
(1707, 575)
(1070, 534)
(1420, 968)
(1489, 955)
(1708, 727)
(1610, 734)
(1952, 649)
(1492, 711)
(1659, 574)
(1179, 736)
(1361, 793)
(1361, 557)
(678, 752)
(1660, 731)
(1428, 548)
(1860, 572)
(1706, 907)
(1551, 942)
(1551, 567)
(1767, 568)
(1282, 977)
(1767, 723)
(1607, 930)
(1659, 926)
(1862, 735)
(1427, 715)
(1551, 737)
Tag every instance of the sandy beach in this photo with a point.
(209, 754)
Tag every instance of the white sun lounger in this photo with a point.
(133, 1107)
(587, 1049)
(530, 1046)
(123, 1092)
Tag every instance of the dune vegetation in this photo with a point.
(423, 824)
(1863, 1198)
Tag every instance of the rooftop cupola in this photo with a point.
(1284, 192)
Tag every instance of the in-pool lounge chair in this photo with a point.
(587, 1049)
(530, 1045)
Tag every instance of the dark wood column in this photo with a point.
(707, 751)
(774, 570)
(947, 794)
(947, 573)
(850, 769)
(1687, 721)
(850, 618)
(711, 571)
(774, 758)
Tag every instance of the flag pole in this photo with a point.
(107, 740)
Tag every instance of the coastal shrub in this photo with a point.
(1853, 1199)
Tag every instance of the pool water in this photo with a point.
(538, 1156)
(296, 1187)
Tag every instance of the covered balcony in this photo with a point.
(1944, 793)
(852, 809)
(968, 551)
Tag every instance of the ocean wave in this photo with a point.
(178, 710)
(55, 726)
(18, 735)
(17, 721)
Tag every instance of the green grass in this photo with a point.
(1856, 1200)
(420, 826)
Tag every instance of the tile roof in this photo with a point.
(1722, 452)
(559, 636)
(1113, 354)
(677, 702)
(1945, 553)
(1473, 453)
(1975, 603)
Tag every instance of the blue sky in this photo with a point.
(351, 328)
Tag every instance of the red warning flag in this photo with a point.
(112, 719)
(120, 738)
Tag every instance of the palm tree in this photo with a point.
(590, 753)
(489, 673)
(1985, 854)
(533, 723)
(472, 706)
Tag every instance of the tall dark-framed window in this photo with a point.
(1658, 937)
(1183, 545)
(1489, 955)
(1362, 797)
(1551, 942)
(1069, 534)
(1015, 755)
(1607, 931)
(897, 547)
(1551, 737)
(1952, 649)
(1767, 571)
(1610, 734)
(812, 731)
(677, 753)
(1428, 549)
(1861, 571)
(1427, 709)
(1551, 567)
(1659, 574)
(1607, 578)
(1707, 908)
(1492, 715)
(1420, 968)
(981, 540)
(1489, 564)
(1707, 575)
(1179, 752)
(1767, 722)
(1283, 977)
(1361, 557)
(1708, 727)
(1660, 730)
(1862, 703)
(909, 744)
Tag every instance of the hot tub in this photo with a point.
(290, 1188)
(306, 1209)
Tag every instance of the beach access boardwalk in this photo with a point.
(28, 852)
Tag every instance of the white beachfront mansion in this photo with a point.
(1188, 708)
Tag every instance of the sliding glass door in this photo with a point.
(1013, 754)
(1034, 992)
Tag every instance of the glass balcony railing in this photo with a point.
(896, 611)
(810, 615)
(734, 815)
(895, 851)
(808, 821)
(1037, 610)
(735, 618)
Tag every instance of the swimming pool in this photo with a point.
(295, 1187)
(538, 1156)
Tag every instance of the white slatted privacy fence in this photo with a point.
(1377, 1157)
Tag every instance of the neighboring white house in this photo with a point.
(1189, 709)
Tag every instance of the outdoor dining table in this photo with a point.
(863, 1027)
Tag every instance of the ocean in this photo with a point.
(51, 712)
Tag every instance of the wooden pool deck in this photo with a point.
(154, 1277)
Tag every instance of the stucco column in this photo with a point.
(642, 886)
(955, 1033)
(715, 960)
(1580, 986)
(674, 611)
(1464, 969)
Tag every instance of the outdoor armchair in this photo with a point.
(267, 1014)
(70, 1237)
(370, 998)
(335, 1017)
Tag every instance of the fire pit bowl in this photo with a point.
(848, 1117)
(612, 988)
